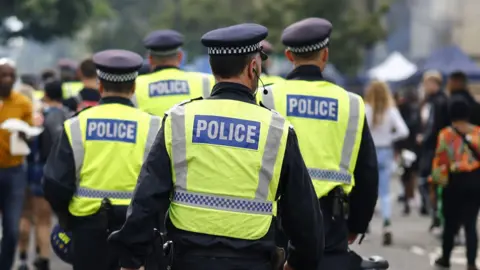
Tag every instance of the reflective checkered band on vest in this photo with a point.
(223, 203)
(100, 194)
(111, 77)
(334, 176)
(179, 158)
(310, 48)
(234, 50)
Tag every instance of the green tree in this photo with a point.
(45, 19)
(131, 20)
(353, 30)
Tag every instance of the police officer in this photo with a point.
(71, 86)
(92, 171)
(266, 77)
(232, 167)
(334, 138)
(167, 85)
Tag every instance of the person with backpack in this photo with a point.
(89, 95)
(456, 167)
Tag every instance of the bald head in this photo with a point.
(7, 77)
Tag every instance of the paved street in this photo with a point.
(414, 248)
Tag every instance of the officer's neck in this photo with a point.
(165, 63)
(90, 83)
(238, 80)
(315, 62)
(115, 94)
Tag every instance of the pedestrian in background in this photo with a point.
(434, 115)
(387, 126)
(13, 179)
(456, 166)
(410, 112)
(458, 86)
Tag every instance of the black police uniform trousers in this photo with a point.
(209, 259)
(89, 240)
(337, 255)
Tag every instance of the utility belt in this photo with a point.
(277, 258)
(337, 202)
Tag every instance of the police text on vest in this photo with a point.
(226, 131)
(168, 88)
(111, 130)
(312, 107)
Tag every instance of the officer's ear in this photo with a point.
(289, 55)
(134, 87)
(100, 87)
(179, 57)
(150, 61)
(324, 55)
(253, 69)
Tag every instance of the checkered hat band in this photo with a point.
(310, 48)
(110, 77)
(234, 50)
(230, 204)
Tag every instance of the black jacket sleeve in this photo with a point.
(301, 218)
(365, 192)
(59, 178)
(151, 199)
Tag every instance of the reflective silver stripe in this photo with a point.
(100, 194)
(152, 134)
(134, 100)
(230, 204)
(274, 138)
(206, 86)
(329, 175)
(77, 145)
(267, 99)
(179, 147)
(351, 134)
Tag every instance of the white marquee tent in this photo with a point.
(395, 68)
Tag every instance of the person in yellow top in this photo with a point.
(13, 179)
(266, 77)
(333, 135)
(92, 171)
(167, 85)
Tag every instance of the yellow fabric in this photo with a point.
(71, 89)
(321, 141)
(270, 79)
(38, 94)
(155, 92)
(225, 171)
(108, 164)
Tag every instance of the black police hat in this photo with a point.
(238, 39)
(163, 42)
(117, 66)
(307, 35)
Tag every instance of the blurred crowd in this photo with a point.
(431, 138)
